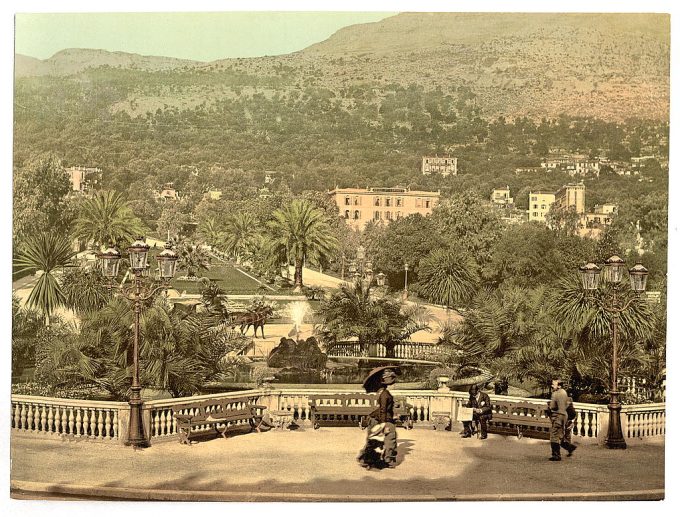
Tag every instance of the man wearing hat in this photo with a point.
(378, 380)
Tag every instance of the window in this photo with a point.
(347, 201)
(388, 201)
(534, 198)
(346, 214)
(398, 215)
(419, 202)
(388, 215)
(356, 200)
(376, 216)
(400, 202)
(376, 201)
(535, 206)
(427, 203)
(542, 207)
(535, 214)
(357, 214)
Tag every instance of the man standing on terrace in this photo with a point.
(559, 401)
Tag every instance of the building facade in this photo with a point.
(500, 197)
(572, 195)
(359, 206)
(539, 204)
(83, 178)
(443, 165)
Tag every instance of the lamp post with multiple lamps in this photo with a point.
(613, 274)
(138, 293)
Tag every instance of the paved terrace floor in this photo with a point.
(308, 465)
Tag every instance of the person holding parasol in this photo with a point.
(381, 421)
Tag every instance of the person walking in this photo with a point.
(481, 412)
(378, 381)
(568, 428)
(559, 401)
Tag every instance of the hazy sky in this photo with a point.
(201, 36)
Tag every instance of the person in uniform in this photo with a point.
(559, 401)
(481, 412)
(384, 414)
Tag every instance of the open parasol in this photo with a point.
(373, 380)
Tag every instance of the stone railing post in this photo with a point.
(602, 425)
(124, 424)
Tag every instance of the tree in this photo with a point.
(210, 232)
(240, 232)
(107, 218)
(46, 252)
(84, 289)
(447, 277)
(565, 220)
(353, 312)
(301, 231)
(40, 198)
(192, 257)
(25, 326)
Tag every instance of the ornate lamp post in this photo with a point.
(613, 274)
(138, 293)
(405, 280)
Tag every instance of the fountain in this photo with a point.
(297, 312)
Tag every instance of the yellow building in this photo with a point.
(572, 195)
(539, 204)
(500, 197)
(359, 206)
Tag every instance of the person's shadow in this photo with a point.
(403, 449)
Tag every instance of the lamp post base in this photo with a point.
(614, 438)
(136, 437)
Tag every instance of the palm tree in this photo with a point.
(46, 252)
(107, 218)
(352, 312)
(239, 233)
(84, 289)
(447, 277)
(210, 232)
(301, 230)
(192, 257)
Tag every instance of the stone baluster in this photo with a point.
(43, 419)
(79, 421)
(50, 420)
(100, 424)
(22, 419)
(71, 421)
(29, 418)
(107, 425)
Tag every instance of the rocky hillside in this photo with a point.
(611, 66)
(75, 60)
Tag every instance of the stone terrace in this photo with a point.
(309, 465)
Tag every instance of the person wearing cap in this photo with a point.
(559, 401)
(384, 414)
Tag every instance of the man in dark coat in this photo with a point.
(559, 401)
(481, 412)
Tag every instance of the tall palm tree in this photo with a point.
(240, 230)
(209, 230)
(107, 218)
(46, 252)
(447, 277)
(303, 232)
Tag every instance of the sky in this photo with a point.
(201, 36)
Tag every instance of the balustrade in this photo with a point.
(97, 420)
(86, 419)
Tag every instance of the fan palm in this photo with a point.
(84, 289)
(239, 233)
(192, 258)
(303, 232)
(447, 277)
(46, 252)
(210, 232)
(107, 218)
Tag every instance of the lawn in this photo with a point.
(227, 277)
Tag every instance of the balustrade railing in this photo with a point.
(405, 350)
(108, 421)
(84, 419)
